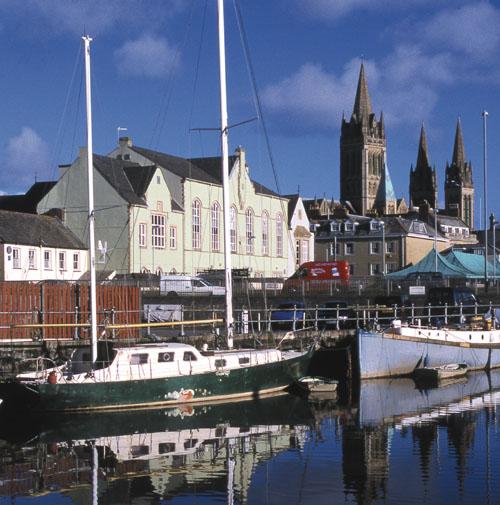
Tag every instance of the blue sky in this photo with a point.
(155, 72)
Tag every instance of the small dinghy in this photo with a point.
(319, 387)
(439, 373)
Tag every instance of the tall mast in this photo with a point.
(225, 177)
(91, 217)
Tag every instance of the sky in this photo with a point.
(155, 73)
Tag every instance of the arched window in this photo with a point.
(196, 224)
(279, 235)
(215, 226)
(233, 231)
(159, 271)
(265, 233)
(249, 230)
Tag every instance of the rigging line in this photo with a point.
(66, 105)
(198, 59)
(73, 141)
(258, 105)
(167, 95)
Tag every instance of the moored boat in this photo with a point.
(440, 373)
(152, 375)
(401, 349)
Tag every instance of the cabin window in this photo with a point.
(165, 357)
(139, 359)
(137, 451)
(219, 363)
(189, 356)
(166, 447)
(244, 361)
(189, 444)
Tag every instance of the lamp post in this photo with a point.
(382, 224)
(485, 200)
(494, 225)
(435, 240)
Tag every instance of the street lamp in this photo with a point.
(494, 225)
(485, 200)
(382, 224)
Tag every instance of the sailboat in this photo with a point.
(160, 374)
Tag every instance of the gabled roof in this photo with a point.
(117, 172)
(33, 229)
(212, 166)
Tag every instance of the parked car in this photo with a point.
(284, 315)
(393, 305)
(336, 314)
(187, 285)
(460, 304)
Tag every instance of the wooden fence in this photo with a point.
(61, 304)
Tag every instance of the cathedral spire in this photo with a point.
(458, 148)
(423, 156)
(362, 104)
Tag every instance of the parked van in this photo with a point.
(317, 276)
(187, 285)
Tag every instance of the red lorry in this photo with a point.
(317, 276)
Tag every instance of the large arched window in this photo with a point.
(265, 233)
(196, 224)
(233, 230)
(215, 227)
(279, 235)
(249, 230)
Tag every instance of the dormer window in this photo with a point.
(348, 226)
(335, 227)
(375, 225)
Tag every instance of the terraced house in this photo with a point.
(160, 213)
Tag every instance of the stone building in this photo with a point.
(459, 187)
(423, 182)
(365, 183)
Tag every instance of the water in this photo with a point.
(387, 443)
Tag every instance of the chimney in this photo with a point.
(125, 142)
(241, 154)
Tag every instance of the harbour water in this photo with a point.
(387, 442)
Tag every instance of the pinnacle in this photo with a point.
(458, 148)
(362, 103)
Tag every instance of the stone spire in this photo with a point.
(458, 148)
(362, 103)
(423, 156)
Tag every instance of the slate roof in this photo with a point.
(199, 169)
(29, 201)
(32, 229)
(117, 172)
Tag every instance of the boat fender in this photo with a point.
(52, 378)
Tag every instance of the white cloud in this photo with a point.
(472, 30)
(315, 97)
(334, 9)
(407, 80)
(146, 56)
(26, 155)
(93, 16)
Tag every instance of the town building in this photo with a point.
(36, 248)
(158, 213)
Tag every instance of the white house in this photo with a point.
(35, 248)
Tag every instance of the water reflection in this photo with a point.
(393, 443)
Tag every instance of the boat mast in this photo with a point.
(225, 177)
(91, 216)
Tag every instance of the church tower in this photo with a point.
(423, 184)
(458, 187)
(362, 153)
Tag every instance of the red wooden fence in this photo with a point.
(64, 303)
